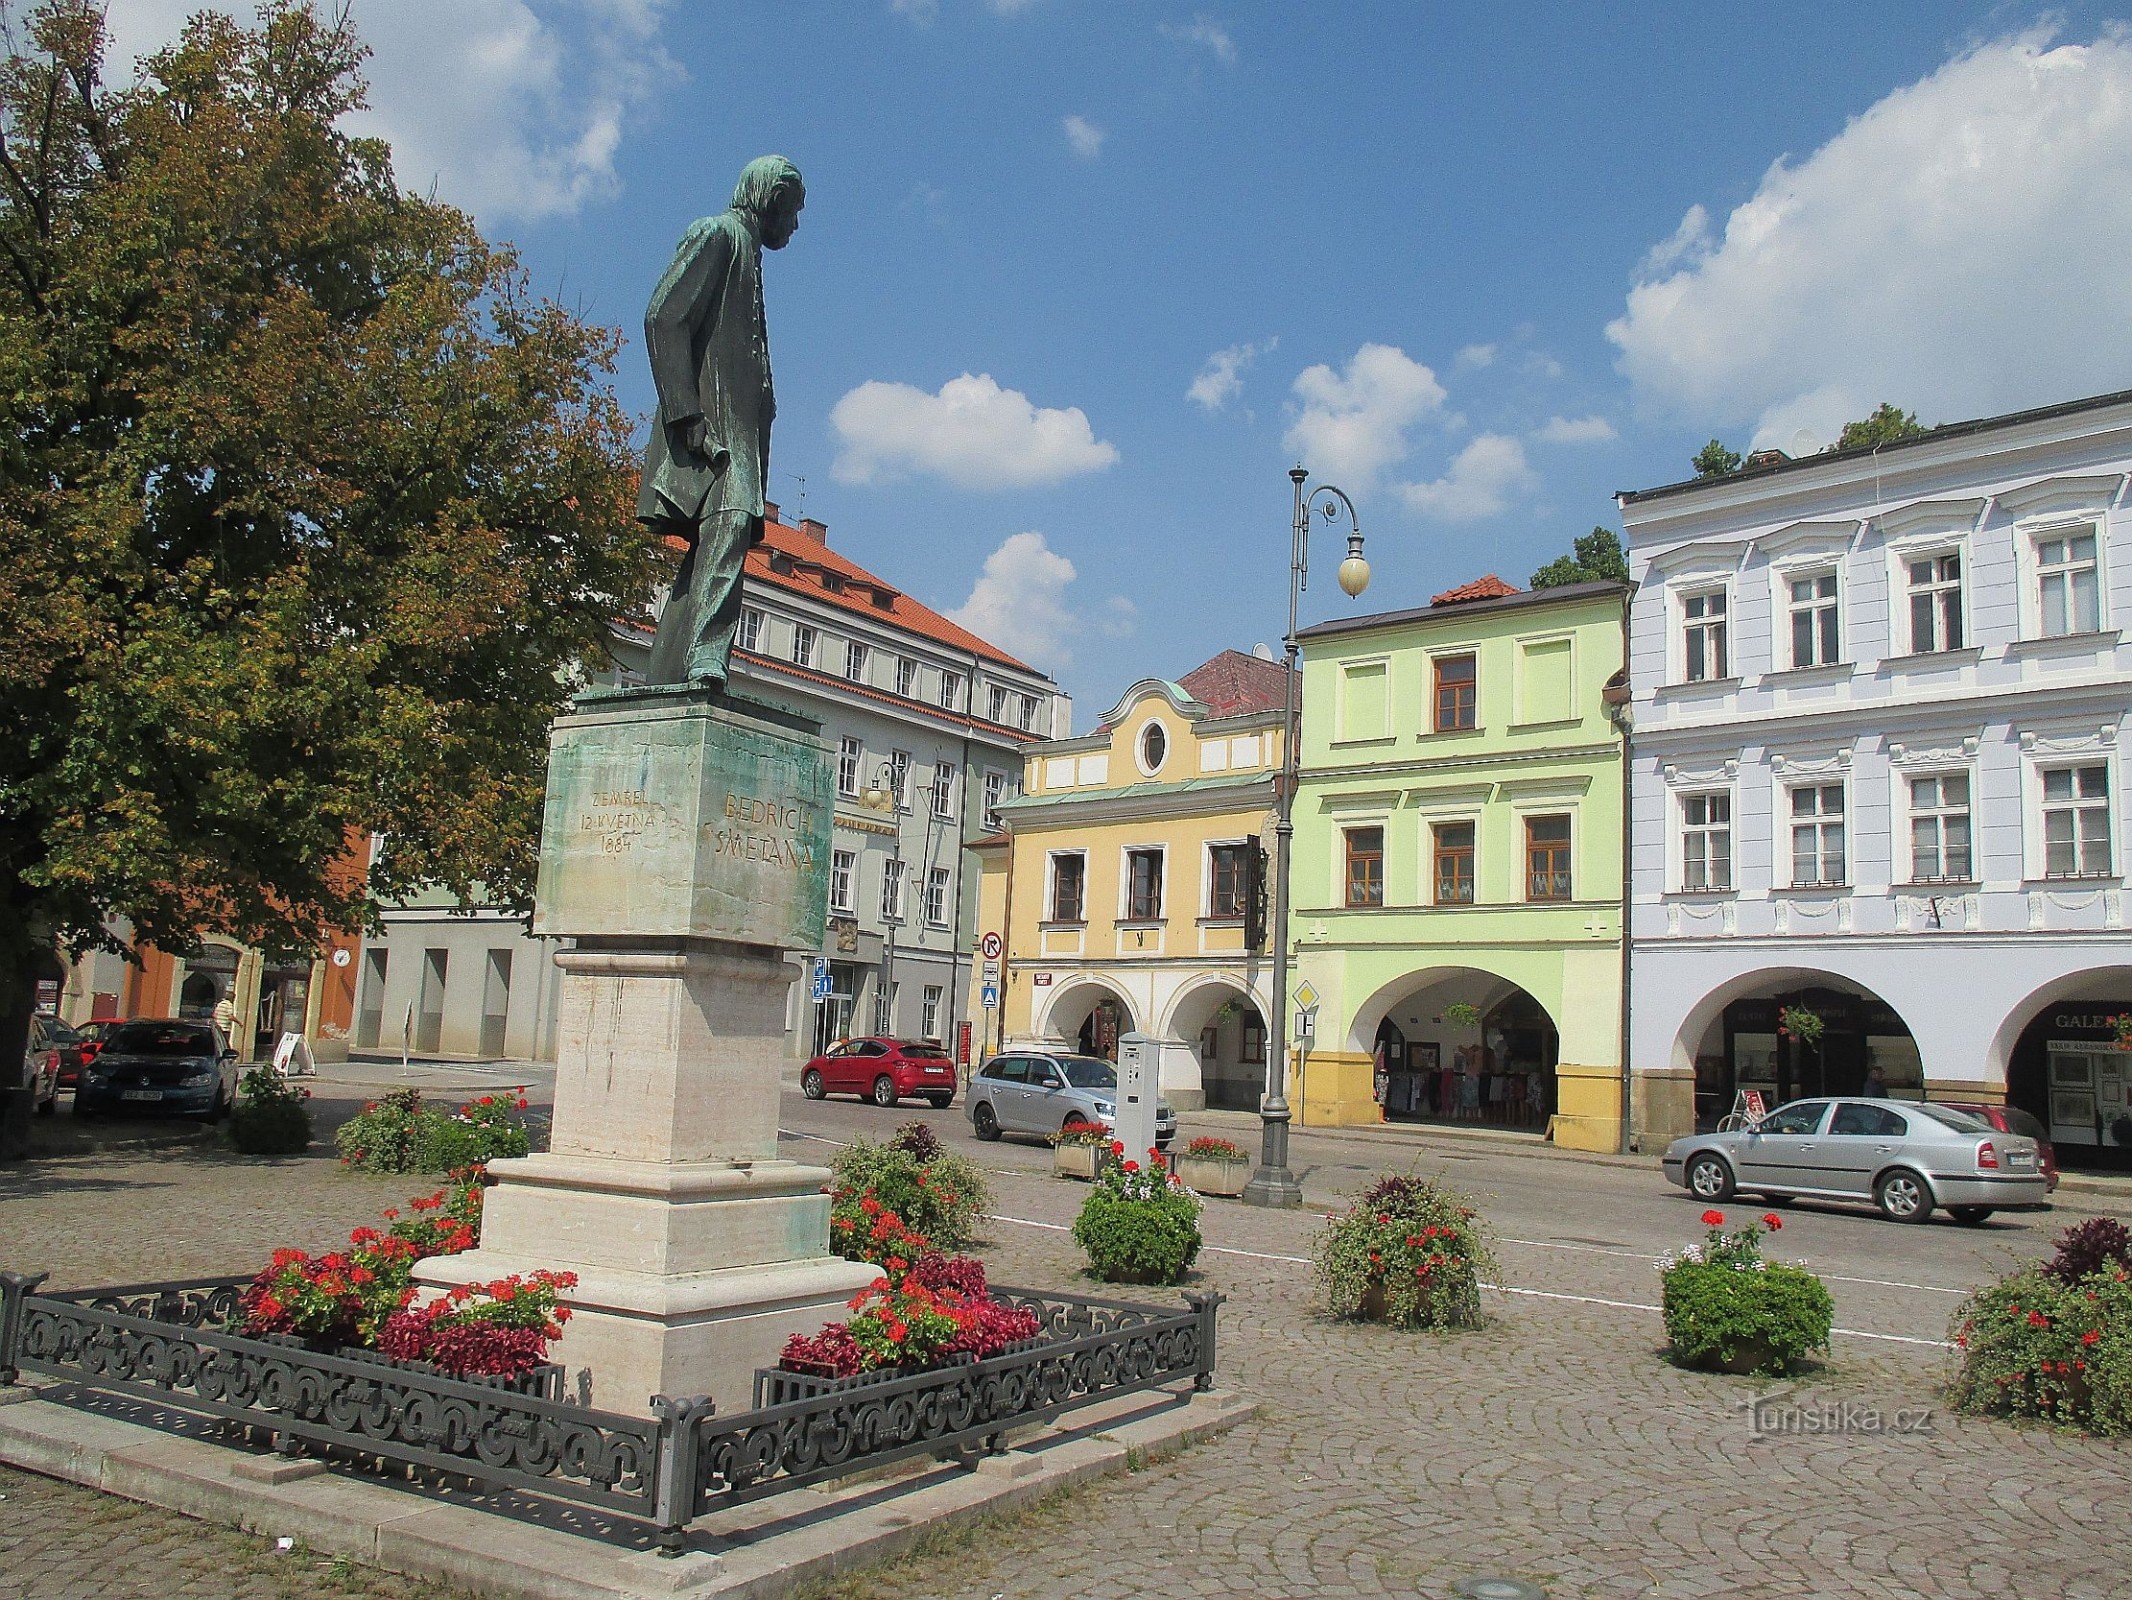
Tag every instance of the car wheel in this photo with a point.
(1903, 1196)
(884, 1091)
(1709, 1178)
(811, 1084)
(1969, 1216)
(940, 1102)
(985, 1121)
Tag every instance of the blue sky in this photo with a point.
(1099, 272)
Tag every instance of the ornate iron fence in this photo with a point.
(169, 1342)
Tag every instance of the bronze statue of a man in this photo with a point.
(709, 455)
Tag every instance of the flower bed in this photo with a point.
(2054, 1341)
(1407, 1252)
(1082, 1150)
(1139, 1224)
(939, 1194)
(1214, 1166)
(1729, 1309)
(398, 1133)
(924, 1311)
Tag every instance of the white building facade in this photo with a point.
(1877, 778)
(926, 724)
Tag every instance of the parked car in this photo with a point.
(1908, 1158)
(167, 1065)
(2012, 1119)
(88, 1039)
(1041, 1093)
(40, 1064)
(884, 1071)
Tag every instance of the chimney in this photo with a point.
(809, 528)
(769, 512)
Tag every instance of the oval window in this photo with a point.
(1154, 746)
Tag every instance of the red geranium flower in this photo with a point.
(1715, 1219)
(1772, 1221)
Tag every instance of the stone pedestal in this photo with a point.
(683, 848)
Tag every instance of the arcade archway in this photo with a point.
(1786, 1033)
(1226, 1032)
(1458, 1045)
(1091, 1017)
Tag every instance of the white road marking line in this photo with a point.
(1638, 1255)
(1499, 1288)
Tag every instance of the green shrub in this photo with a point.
(1139, 1225)
(2033, 1345)
(270, 1117)
(398, 1133)
(1729, 1309)
(942, 1198)
(1408, 1252)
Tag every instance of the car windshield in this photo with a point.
(924, 1052)
(1959, 1121)
(1087, 1072)
(162, 1039)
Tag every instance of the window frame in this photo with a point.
(950, 688)
(748, 632)
(858, 656)
(805, 636)
(893, 874)
(906, 677)
(1681, 593)
(1940, 813)
(2044, 770)
(1470, 703)
(1819, 821)
(1129, 909)
(1568, 846)
(1911, 591)
(1708, 830)
(1350, 857)
(995, 794)
(938, 888)
(843, 881)
(1053, 912)
(1211, 854)
(851, 760)
(1825, 611)
(942, 789)
(2030, 537)
(1436, 826)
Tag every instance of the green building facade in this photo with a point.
(1457, 871)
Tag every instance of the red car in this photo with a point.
(883, 1071)
(2011, 1119)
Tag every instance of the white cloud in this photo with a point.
(1085, 137)
(1222, 378)
(1689, 240)
(1575, 430)
(973, 434)
(1020, 602)
(1205, 31)
(1483, 480)
(513, 109)
(1354, 425)
(1477, 355)
(1957, 249)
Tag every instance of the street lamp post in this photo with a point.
(1273, 1184)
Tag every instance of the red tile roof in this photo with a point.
(807, 566)
(1233, 683)
(1488, 588)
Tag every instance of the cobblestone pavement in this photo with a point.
(1554, 1445)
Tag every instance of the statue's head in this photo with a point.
(771, 189)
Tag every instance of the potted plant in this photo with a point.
(1729, 1309)
(1407, 1252)
(2054, 1341)
(1081, 1150)
(1214, 1166)
(1139, 1224)
(940, 1194)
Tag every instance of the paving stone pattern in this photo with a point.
(1556, 1445)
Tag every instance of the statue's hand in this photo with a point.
(685, 437)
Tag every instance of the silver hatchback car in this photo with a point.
(1905, 1157)
(1033, 1091)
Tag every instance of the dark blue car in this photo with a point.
(159, 1066)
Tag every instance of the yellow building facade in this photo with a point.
(1123, 879)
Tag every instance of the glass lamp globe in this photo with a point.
(1354, 575)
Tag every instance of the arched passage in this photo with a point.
(1090, 1016)
(1755, 1033)
(1458, 1044)
(2068, 1067)
(1223, 1026)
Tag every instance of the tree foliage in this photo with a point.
(308, 506)
(1599, 557)
(1884, 426)
(1715, 461)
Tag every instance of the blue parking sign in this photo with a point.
(818, 984)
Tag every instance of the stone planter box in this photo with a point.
(1216, 1175)
(1083, 1161)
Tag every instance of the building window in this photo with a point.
(943, 790)
(892, 890)
(899, 777)
(906, 677)
(1143, 885)
(995, 792)
(1365, 865)
(855, 655)
(849, 756)
(1457, 693)
(841, 863)
(2067, 592)
(1251, 1049)
(936, 897)
(802, 645)
(750, 634)
(929, 1011)
(1814, 641)
(1226, 868)
(1935, 602)
(1939, 828)
(1069, 888)
(1453, 867)
(1817, 856)
(1703, 650)
(1027, 718)
(1706, 841)
(950, 690)
(1154, 748)
(2076, 822)
(1547, 858)
(997, 701)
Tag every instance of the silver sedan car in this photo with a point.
(1905, 1157)
(1041, 1092)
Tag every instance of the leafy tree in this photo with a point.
(308, 508)
(1715, 461)
(1884, 426)
(1598, 556)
